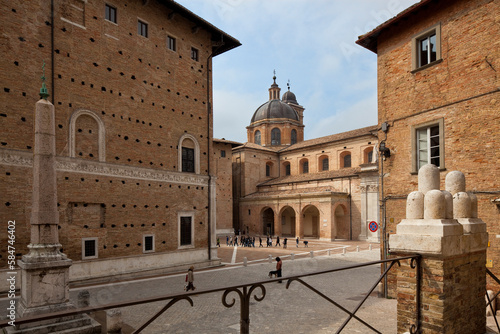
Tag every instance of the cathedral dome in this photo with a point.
(289, 97)
(275, 109)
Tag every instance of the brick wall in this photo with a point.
(462, 90)
(146, 98)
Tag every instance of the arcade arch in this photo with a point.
(310, 221)
(288, 222)
(341, 222)
(267, 216)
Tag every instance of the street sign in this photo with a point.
(373, 226)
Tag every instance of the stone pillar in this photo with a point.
(45, 270)
(278, 224)
(453, 250)
(213, 217)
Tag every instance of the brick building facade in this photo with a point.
(131, 86)
(324, 188)
(439, 102)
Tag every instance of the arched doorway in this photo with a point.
(268, 221)
(341, 222)
(311, 222)
(288, 222)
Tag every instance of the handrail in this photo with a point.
(243, 290)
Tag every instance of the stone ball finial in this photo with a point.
(415, 205)
(455, 182)
(461, 205)
(449, 204)
(434, 205)
(428, 178)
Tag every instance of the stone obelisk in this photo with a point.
(45, 270)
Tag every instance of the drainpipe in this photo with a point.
(52, 51)
(209, 113)
(350, 210)
(384, 241)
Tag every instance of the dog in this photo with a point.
(273, 273)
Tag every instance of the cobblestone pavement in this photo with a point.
(293, 310)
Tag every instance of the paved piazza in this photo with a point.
(293, 310)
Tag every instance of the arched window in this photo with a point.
(189, 154)
(87, 136)
(294, 137)
(256, 139)
(287, 168)
(324, 164)
(345, 160)
(304, 166)
(269, 168)
(275, 137)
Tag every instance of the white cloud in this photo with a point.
(310, 42)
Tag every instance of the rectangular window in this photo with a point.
(142, 28)
(223, 154)
(428, 145)
(427, 50)
(110, 13)
(185, 231)
(287, 169)
(426, 47)
(89, 248)
(148, 244)
(268, 170)
(194, 54)
(171, 43)
(188, 160)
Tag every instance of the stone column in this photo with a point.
(453, 249)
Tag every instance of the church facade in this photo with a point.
(324, 188)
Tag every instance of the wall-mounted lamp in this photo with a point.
(385, 151)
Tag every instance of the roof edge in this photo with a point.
(369, 40)
(229, 42)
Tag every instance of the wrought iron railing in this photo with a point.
(490, 300)
(244, 291)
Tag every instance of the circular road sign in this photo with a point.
(373, 226)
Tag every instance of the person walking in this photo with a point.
(279, 265)
(278, 241)
(227, 240)
(297, 242)
(284, 242)
(277, 272)
(260, 241)
(236, 241)
(190, 279)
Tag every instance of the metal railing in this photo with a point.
(245, 291)
(489, 304)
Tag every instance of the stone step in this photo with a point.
(80, 325)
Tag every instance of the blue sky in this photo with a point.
(309, 42)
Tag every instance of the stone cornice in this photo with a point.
(327, 195)
(75, 165)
